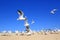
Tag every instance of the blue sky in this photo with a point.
(38, 10)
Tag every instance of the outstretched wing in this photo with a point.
(20, 12)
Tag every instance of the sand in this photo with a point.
(35, 36)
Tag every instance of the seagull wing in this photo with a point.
(33, 22)
(20, 13)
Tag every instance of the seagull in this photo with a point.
(26, 23)
(53, 11)
(21, 15)
(32, 22)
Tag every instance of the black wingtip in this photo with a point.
(19, 11)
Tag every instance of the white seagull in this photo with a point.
(32, 22)
(21, 15)
(53, 11)
(26, 23)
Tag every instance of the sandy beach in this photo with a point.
(35, 36)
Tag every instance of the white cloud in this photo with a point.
(16, 31)
(4, 31)
(9, 31)
(53, 11)
(59, 30)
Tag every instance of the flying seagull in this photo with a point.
(26, 23)
(21, 15)
(32, 22)
(53, 11)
